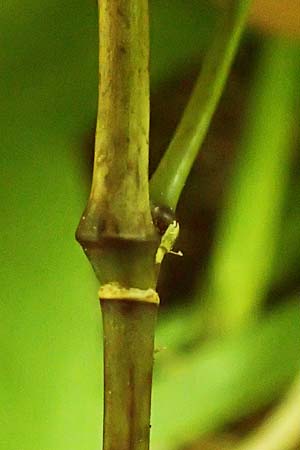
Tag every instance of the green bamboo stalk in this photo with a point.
(116, 229)
(169, 178)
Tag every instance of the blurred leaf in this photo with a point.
(225, 380)
(243, 258)
(280, 429)
(50, 352)
(287, 260)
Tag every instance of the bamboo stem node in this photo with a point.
(114, 291)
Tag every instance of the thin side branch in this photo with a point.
(169, 179)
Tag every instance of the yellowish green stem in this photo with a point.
(170, 177)
(128, 354)
(117, 219)
(116, 229)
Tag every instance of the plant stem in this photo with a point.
(116, 229)
(128, 345)
(118, 211)
(170, 177)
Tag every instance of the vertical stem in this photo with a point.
(120, 178)
(118, 209)
(116, 229)
(129, 317)
(128, 353)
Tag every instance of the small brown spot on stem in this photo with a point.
(122, 49)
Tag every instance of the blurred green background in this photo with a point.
(228, 334)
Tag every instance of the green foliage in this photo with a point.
(50, 376)
(224, 380)
(242, 265)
